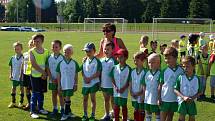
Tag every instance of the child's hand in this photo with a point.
(159, 102)
(75, 87)
(185, 98)
(87, 80)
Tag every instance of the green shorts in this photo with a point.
(53, 86)
(17, 83)
(109, 91)
(67, 93)
(169, 107)
(187, 108)
(151, 108)
(139, 106)
(89, 90)
(119, 101)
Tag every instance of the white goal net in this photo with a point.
(180, 25)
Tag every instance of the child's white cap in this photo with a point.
(201, 34)
(67, 46)
(211, 36)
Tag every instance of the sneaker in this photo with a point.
(12, 105)
(84, 118)
(44, 112)
(72, 115)
(20, 105)
(64, 117)
(107, 118)
(103, 117)
(54, 112)
(92, 118)
(27, 107)
(34, 116)
(111, 114)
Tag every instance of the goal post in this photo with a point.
(95, 24)
(181, 25)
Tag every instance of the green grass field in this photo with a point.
(206, 109)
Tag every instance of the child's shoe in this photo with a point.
(12, 105)
(64, 117)
(54, 112)
(44, 112)
(20, 105)
(27, 107)
(34, 115)
(84, 118)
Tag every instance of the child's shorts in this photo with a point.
(119, 101)
(213, 81)
(17, 83)
(89, 90)
(151, 108)
(136, 105)
(187, 108)
(67, 93)
(27, 81)
(38, 84)
(53, 86)
(169, 107)
(109, 91)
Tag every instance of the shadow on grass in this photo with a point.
(207, 99)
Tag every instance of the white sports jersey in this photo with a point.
(67, 71)
(89, 68)
(151, 83)
(52, 64)
(189, 86)
(168, 79)
(25, 61)
(121, 77)
(107, 65)
(16, 63)
(136, 82)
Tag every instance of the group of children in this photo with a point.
(159, 83)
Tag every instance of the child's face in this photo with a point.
(121, 59)
(68, 53)
(90, 53)
(154, 63)
(170, 60)
(162, 48)
(188, 68)
(108, 50)
(138, 62)
(38, 42)
(204, 49)
(154, 46)
(56, 48)
(18, 49)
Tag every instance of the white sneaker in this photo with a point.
(64, 117)
(34, 116)
(44, 112)
(72, 115)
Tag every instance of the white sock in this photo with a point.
(157, 117)
(148, 117)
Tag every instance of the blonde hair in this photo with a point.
(17, 44)
(153, 56)
(67, 46)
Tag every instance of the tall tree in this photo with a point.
(152, 10)
(198, 9)
(106, 9)
(211, 4)
(31, 12)
(91, 9)
(2, 12)
(49, 15)
(169, 9)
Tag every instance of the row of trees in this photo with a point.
(132, 10)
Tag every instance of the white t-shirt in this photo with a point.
(136, 82)
(89, 68)
(53, 61)
(121, 77)
(16, 63)
(107, 65)
(168, 79)
(151, 82)
(187, 86)
(67, 70)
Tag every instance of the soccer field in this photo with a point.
(206, 109)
